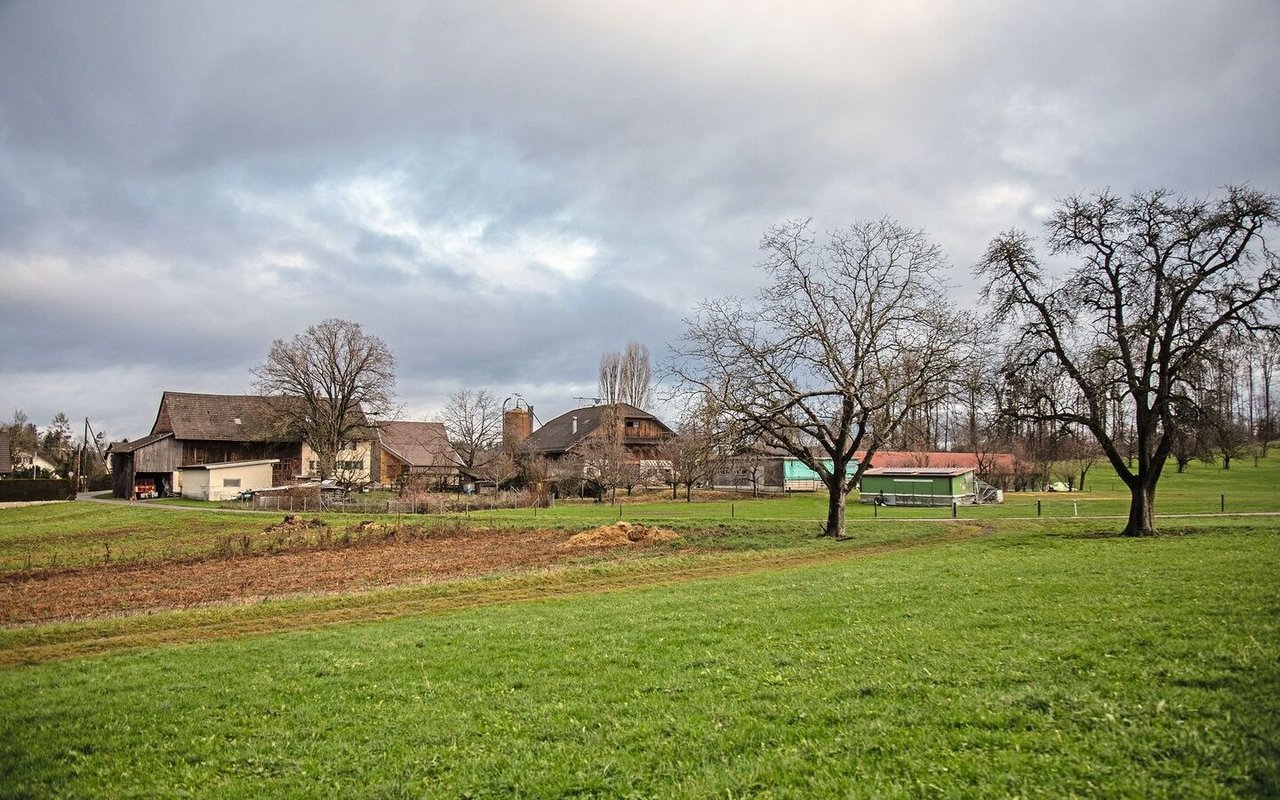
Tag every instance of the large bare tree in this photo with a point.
(325, 380)
(1158, 280)
(473, 421)
(846, 340)
(626, 377)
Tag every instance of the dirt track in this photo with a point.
(376, 559)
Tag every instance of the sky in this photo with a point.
(504, 191)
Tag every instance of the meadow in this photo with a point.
(996, 656)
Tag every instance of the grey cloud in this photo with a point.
(180, 183)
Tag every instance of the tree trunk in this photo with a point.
(1142, 510)
(835, 513)
(688, 492)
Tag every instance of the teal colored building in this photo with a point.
(798, 477)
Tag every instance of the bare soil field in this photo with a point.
(367, 556)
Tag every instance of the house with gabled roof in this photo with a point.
(406, 450)
(640, 432)
(194, 430)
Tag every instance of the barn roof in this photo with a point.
(418, 444)
(227, 417)
(559, 435)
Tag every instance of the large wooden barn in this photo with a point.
(195, 430)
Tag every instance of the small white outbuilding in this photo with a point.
(224, 480)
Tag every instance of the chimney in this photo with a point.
(575, 424)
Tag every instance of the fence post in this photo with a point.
(1222, 503)
(733, 512)
(1037, 508)
(955, 509)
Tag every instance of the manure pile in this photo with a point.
(620, 533)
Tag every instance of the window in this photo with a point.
(350, 466)
(231, 483)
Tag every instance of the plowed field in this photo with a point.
(379, 557)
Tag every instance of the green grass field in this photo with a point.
(995, 656)
(1016, 664)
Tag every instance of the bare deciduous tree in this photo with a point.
(497, 467)
(327, 379)
(846, 340)
(697, 450)
(607, 463)
(637, 376)
(610, 384)
(626, 377)
(24, 440)
(473, 421)
(1159, 280)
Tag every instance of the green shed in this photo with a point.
(918, 486)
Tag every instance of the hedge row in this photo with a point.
(25, 489)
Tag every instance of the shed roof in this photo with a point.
(418, 444)
(998, 462)
(917, 472)
(231, 464)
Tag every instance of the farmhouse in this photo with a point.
(193, 430)
(414, 450)
(640, 432)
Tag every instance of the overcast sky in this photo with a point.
(504, 191)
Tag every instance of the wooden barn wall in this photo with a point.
(645, 429)
(162, 456)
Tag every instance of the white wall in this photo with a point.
(209, 483)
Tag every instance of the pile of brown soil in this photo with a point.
(293, 523)
(620, 533)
